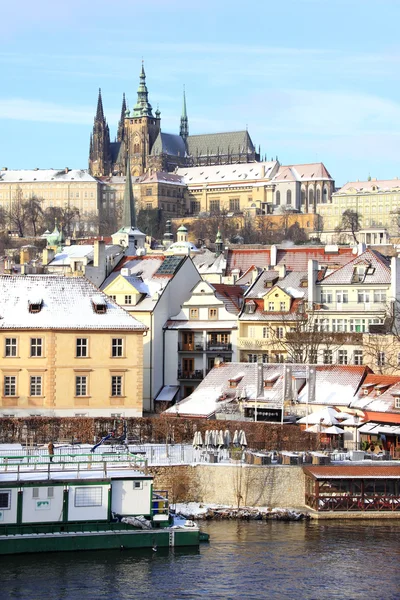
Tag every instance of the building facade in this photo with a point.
(67, 350)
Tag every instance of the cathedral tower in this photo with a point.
(141, 129)
(99, 155)
(184, 128)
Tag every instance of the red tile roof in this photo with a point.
(353, 472)
(231, 295)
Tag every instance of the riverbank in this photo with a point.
(202, 512)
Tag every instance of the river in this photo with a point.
(301, 560)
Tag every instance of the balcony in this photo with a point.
(218, 347)
(194, 347)
(198, 374)
(354, 307)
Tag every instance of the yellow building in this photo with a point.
(376, 201)
(67, 350)
(233, 188)
(56, 188)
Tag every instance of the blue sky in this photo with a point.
(314, 80)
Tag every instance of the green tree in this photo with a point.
(350, 221)
(33, 212)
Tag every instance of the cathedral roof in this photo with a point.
(169, 143)
(222, 143)
(117, 152)
(28, 175)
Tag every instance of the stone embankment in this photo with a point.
(243, 514)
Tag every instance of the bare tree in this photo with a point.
(33, 212)
(16, 214)
(350, 221)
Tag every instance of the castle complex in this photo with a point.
(149, 149)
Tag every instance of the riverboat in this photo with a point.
(85, 505)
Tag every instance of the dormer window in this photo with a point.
(270, 382)
(35, 305)
(234, 381)
(250, 307)
(99, 304)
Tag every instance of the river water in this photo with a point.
(256, 560)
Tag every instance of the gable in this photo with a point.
(277, 300)
(120, 285)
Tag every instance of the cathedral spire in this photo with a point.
(129, 199)
(121, 124)
(142, 107)
(184, 128)
(100, 111)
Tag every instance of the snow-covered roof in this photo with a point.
(44, 175)
(228, 173)
(75, 251)
(67, 303)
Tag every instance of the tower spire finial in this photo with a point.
(184, 128)
(99, 111)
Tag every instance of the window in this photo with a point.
(81, 347)
(11, 347)
(117, 347)
(213, 314)
(265, 333)
(5, 499)
(113, 298)
(358, 357)
(328, 357)
(234, 205)
(313, 357)
(342, 357)
(311, 196)
(128, 299)
(36, 346)
(10, 385)
(326, 297)
(116, 385)
(251, 332)
(88, 496)
(289, 197)
(214, 206)
(137, 485)
(279, 332)
(35, 492)
(35, 386)
(342, 297)
(318, 195)
(379, 295)
(265, 358)
(252, 358)
(194, 207)
(271, 306)
(396, 405)
(381, 359)
(149, 192)
(279, 358)
(149, 205)
(363, 296)
(303, 196)
(282, 306)
(277, 198)
(193, 313)
(81, 385)
(50, 492)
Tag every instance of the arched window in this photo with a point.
(136, 149)
(318, 195)
(303, 196)
(289, 197)
(325, 195)
(277, 197)
(311, 196)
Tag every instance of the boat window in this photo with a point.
(137, 485)
(5, 499)
(88, 496)
(35, 492)
(50, 492)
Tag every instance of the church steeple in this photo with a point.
(129, 200)
(184, 128)
(100, 155)
(142, 107)
(99, 111)
(121, 124)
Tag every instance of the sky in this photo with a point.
(312, 80)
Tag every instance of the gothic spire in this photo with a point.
(142, 107)
(184, 128)
(121, 124)
(99, 112)
(129, 200)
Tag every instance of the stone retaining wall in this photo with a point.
(233, 485)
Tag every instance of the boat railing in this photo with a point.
(67, 462)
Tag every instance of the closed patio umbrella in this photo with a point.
(236, 438)
(227, 438)
(221, 441)
(242, 438)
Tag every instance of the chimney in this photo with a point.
(312, 379)
(254, 274)
(312, 281)
(263, 171)
(218, 361)
(66, 170)
(99, 253)
(281, 270)
(48, 255)
(273, 255)
(259, 380)
(361, 247)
